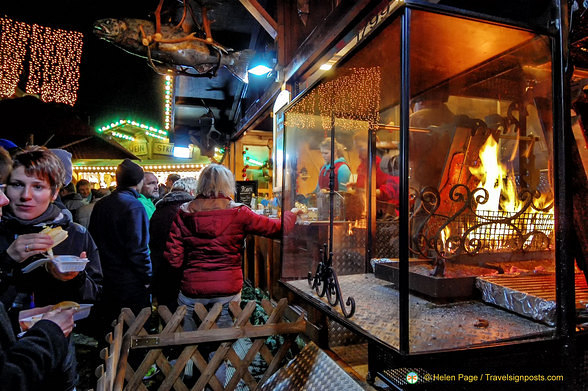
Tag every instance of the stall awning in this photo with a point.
(28, 120)
(93, 147)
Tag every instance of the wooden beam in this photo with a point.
(317, 43)
(217, 335)
(262, 17)
(326, 34)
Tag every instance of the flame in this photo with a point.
(362, 223)
(491, 174)
(503, 201)
(444, 235)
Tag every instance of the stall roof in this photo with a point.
(28, 120)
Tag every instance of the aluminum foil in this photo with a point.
(522, 303)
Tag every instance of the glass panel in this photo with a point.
(353, 104)
(479, 135)
(533, 11)
(480, 178)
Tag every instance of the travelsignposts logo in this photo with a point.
(412, 377)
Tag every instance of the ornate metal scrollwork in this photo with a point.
(326, 283)
(468, 231)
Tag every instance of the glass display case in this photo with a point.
(424, 163)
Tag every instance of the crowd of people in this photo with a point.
(178, 243)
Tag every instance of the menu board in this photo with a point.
(245, 190)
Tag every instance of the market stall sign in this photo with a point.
(245, 191)
(163, 149)
(138, 148)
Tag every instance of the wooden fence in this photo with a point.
(129, 334)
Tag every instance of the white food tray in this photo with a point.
(28, 318)
(63, 263)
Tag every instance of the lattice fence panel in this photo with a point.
(130, 334)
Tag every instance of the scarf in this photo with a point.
(52, 216)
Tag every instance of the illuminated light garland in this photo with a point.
(155, 136)
(168, 92)
(54, 67)
(149, 130)
(123, 136)
(14, 37)
(349, 98)
(96, 169)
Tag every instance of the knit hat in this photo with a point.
(128, 174)
(7, 144)
(65, 158)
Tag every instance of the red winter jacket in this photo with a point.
(206, 239)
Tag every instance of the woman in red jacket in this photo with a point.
(206, 241)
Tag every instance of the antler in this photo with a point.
(206, 25)
(158, 17)
(158, 36)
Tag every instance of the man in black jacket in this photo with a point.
(120, 227)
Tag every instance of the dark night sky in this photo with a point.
(113, 83)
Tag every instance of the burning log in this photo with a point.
(480, 207)
(466, 144)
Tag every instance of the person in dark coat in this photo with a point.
(71, 200)
(166, 280)
(120, 227)
(38, 359)
(83, 214)
(32, 187)
(65, 158)
(35, 361)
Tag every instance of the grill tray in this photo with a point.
(458, 282)
(532, 296)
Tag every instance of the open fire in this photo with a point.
(488, 217)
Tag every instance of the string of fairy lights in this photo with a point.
(105, 176)
(121, 123)
(148, 167)
(167, 94)
(54, 71)
(351, 97)
(13, 45)
(53, 63)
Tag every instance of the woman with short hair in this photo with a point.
(33, 185)
(36, 177)
(38, 359)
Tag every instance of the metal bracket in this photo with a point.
(141, 342)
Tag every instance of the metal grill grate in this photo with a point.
(498, 231)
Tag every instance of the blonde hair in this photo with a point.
(216, 180)
(188, 184)
(339, 148)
